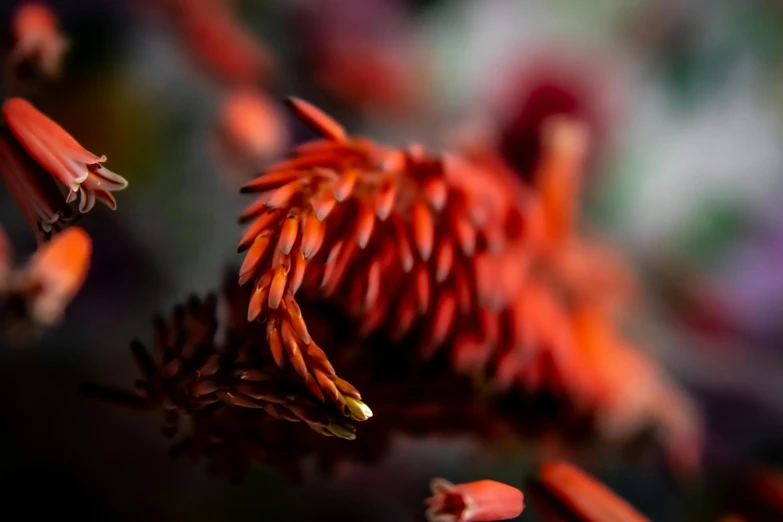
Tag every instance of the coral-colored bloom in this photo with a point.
(37, 37)
(391, 235)
(460, 251)
(58, 270)
(583, 496)
(480, 501)
(33, 189)
(60, 154)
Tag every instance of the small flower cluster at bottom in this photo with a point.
(191, 372)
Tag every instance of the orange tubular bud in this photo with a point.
(480, 501)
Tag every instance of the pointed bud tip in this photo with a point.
(358, 409)
(341, 431)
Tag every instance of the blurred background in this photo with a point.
(685, 105)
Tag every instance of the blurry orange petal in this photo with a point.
(584, 496)
(289, 232)
(252, 125)
(223, 45)
(277, 287)
(423, 229)
(364, 224)
(317, 119)
(344, 185)
(60, 269)
(312, 235)
(275, 343)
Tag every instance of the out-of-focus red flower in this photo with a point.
(220, 42)
(583, 286)
(36, 295)
(364, 52)
(480, 501)
(33, 188)
(580, 496)
(252, 128)
(552, 85)
(455, 250)
(59, 269)
(378, 76)
(392, 236)
(37, 37)
(631, 392)
(79, 170)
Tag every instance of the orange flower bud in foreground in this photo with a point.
(60, 154)
(583, 496)
(37, 37)
(58, 270)
(480, 501)
(35, 296)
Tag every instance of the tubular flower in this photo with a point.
(580, 496)
(37, 37)
(395, 237)
(33, 189)
(480, 501)
(56, 151)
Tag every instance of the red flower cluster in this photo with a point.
(394, 236)
(460, 252)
